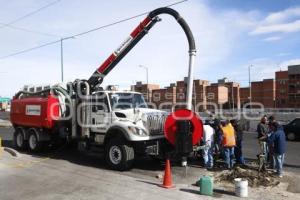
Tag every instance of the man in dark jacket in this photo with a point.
(277, 138)
(239, 138)
(262, 131)
(262, 127)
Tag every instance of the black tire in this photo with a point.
(33, 142)
(158, 159)
(291, 136)
(119, 154)
(19, 140)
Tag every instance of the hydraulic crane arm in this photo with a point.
(136, 35)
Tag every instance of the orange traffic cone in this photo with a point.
(168, 183)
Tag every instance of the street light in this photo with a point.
(232, 95)
(147, 77)
(62, 56)
(250, 95)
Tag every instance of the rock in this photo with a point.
(159, 176)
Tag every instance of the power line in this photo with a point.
(85, 32)
(123, 20)
(29, 14)
(30, 49)
(28, 30)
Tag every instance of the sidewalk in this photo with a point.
(5, 123)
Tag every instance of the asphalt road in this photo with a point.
(292, 158)
(250, 148)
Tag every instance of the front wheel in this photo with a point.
(119, 154)
(291, 136)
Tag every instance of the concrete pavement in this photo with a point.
(55, 176)
(67, 174)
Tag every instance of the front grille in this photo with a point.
(155, 123)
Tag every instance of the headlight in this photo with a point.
(137, 131)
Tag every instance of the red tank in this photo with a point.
(41, 112)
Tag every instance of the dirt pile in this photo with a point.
(254, 178)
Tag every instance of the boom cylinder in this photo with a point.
(136, 35)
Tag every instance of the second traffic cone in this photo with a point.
(168, 183)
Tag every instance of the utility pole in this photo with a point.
(62, 56)
(61, 60)
(147, 78)
(250, 95)
(232, 97)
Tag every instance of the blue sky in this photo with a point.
(230, 35)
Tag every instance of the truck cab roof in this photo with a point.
(116, 91)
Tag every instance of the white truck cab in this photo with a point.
(123, 123)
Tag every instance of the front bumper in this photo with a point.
(157, 147)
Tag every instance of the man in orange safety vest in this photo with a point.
(229, 143)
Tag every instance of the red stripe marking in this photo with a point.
(106, 63)
(140, 27)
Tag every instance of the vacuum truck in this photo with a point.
(119, 122)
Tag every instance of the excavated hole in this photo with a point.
(255, 179)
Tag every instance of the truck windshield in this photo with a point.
(122, 101)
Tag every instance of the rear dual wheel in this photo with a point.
(19, 139)
(34, 144)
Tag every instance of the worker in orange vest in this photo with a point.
(229, 142)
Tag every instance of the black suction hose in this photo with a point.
(180, 20)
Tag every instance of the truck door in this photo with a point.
(100, 116)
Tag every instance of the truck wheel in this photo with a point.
(291, 136)
(19, 140)
(119, 154)
(34, 144)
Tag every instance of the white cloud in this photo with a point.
(271, 39)
(282, 16)
(277, 28)
(285, 21)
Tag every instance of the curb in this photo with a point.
(12, 151)
(5, 123)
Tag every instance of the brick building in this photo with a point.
(181, 91)
(199, 93)
(145, 89)
(283, 92)
(282, 89)
(164, 98)
(294, 86)
(216, 94)
(263, 92)
(233, 94)
(244, 96)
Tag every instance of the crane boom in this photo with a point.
(136, 35)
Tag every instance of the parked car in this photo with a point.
(292, 129)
